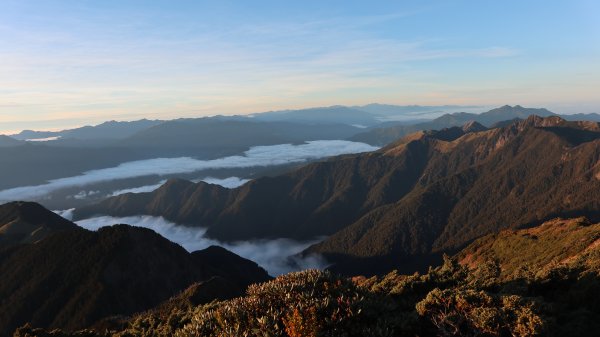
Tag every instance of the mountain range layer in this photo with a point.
(63, 276)
(71, 152)
(488, 193)
(205, 138)
(388, 132)
(429, 193)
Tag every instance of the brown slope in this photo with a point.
(27, 222)
(522, 174)
(555, 242)
(75, 277)
(177, 199)
(318, 199)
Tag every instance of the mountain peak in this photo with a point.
(517, 111)
(25, 222)
(117, 270)
(31, 212)
(176, 182)
(538, 121)
(473, 126)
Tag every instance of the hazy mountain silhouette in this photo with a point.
(385, 135)
(327, 115)
(582, 117)
(8, 141)
(406, 110)
(106, 130)
(202, 138)
(387, 132)
(35, 163)
(215, 137)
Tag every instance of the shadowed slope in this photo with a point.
(75, 277)
(28, 222)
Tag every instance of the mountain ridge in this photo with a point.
(428, 193)
(72, 278)
(27, 222)
(383, 136)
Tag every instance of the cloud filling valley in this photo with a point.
(276, 256)
(271, 155)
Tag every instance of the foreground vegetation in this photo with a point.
(555, 295)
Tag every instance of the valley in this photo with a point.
(458, 199)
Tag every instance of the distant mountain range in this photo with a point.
(6, 141)
(385, 133)
(205, 138)
(67, 277)
(370, 115)
(428, 193)
(215, 137)
(328, 115)
(106, 130)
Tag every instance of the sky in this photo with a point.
(67, 63)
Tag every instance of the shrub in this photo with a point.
(477, 313)
(308, 303)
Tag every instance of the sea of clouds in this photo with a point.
(257, 156)
(140, 189)
(230, 182)
(276, 256)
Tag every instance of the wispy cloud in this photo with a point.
(195, 69)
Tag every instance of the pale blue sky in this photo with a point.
(67, 63)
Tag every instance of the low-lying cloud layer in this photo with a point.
(256, 156)
(276, 256)
(231, 182)
(141, 189)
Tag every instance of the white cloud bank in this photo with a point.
(256, 156)
(230, 182)
(141, 189)
(273, 255)
(47, 139)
